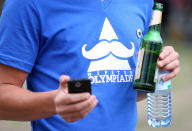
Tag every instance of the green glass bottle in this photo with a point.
(151, 46)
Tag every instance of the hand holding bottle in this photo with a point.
(155, 67)
(168, 61)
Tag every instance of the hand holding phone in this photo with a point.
(74, 107)
(79, 86)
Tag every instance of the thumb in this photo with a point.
(63, 83)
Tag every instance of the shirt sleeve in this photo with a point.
(19, 34)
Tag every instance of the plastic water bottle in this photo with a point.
(159, 103)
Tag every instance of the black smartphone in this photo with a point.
(79, 86)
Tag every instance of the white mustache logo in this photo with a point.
(104, 48)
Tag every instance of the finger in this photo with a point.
(78, 106)
(170, 66)
(165, 52)
(68, 99)
(71, 117)
(173, 56)
(76, 98)
(171, 75)
(84, 111)
(76, 117)
(63, 83)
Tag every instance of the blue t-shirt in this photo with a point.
(83, 39)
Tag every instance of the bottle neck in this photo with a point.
(156, 27)
(154, 33)
(155, 24)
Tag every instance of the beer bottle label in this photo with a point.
(139, 63)
(156, 20)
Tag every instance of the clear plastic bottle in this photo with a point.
(159, 103)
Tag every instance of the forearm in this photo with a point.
(22, 105)
(141, 96)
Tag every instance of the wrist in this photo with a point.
(53, 94)
(49, 104)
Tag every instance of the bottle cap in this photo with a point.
(158, 6)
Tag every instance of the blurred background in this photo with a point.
(176, 31)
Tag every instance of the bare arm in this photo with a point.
(17, 103)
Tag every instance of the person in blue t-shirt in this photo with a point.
(49, 42)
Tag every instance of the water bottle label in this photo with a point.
(156, 74)
(139, 63)
(163, 85)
